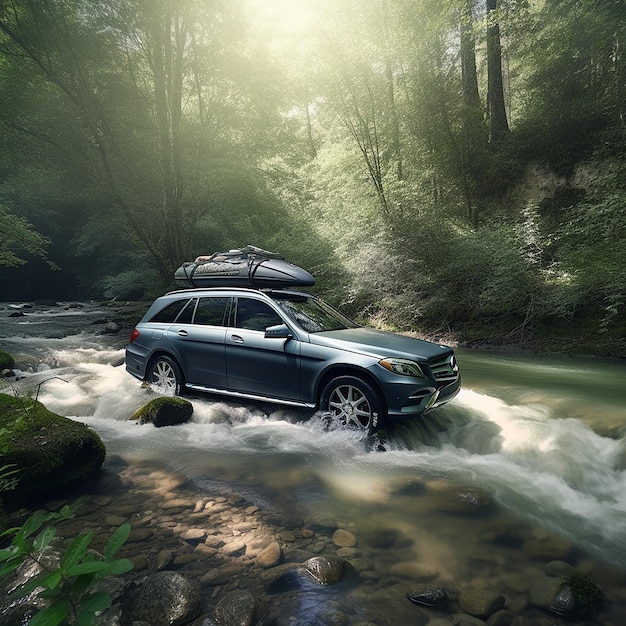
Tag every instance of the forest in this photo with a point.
(451, 168)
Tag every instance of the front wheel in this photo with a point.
(165, 376)
(353, 402)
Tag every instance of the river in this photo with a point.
(544, 437)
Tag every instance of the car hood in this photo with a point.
(379, 343)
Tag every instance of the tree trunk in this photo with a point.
(498, 123)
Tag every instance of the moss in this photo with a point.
(585, 590)
(164, 411)
(50, 451)
(6, 361)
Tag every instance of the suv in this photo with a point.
(288, 347)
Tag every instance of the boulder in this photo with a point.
(325, 570)
(164, 411)
(163, 599)
(49, 452)
(7, 361)
(112, 328)
(239, 608)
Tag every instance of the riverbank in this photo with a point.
(562, 337)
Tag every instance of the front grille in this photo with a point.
(444, 367)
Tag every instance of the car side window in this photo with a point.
(168, 314)
(211, 311)
(255, 315)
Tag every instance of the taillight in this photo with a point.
(134, 335)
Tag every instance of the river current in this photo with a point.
(543, 437)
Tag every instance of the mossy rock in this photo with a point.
(7, 361)
(164, 411)
(49, 451)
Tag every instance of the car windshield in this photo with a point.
(312, 315)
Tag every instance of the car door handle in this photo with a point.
(182, 333)
(236, 338)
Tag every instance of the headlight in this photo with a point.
(404, 367)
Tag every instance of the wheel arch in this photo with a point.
(349, 370)
(159, 353)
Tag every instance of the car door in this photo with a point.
(256, 364)
(198, 338)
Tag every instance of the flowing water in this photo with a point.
(544, 438)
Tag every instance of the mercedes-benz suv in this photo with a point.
(288, 347)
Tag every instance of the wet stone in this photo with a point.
(480, 603)
(344, 538)
(194, 534)
(270, 556)
(234, 548)
(428, 595)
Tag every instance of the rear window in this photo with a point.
(169, 314)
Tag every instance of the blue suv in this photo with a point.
(291, 348)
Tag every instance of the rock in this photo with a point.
(480, 603)
(344, 538)
(428, 595)
(543, 590)
(501, 618)
(7, 361)
(164, 411)
(239, 608)
(112, 328)
(235, 548)
(270, 556)
(164, 599)
(325, 570)
(565, 603)
(466, 501)
(49, 452)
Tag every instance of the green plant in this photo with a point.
(70, 587)
(585, 590)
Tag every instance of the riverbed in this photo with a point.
(521, 476)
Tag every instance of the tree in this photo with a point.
(17, 238)
(498, 122)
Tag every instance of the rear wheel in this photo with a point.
(165, 376)
(353, 402)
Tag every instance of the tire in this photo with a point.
(165, 376)
(353, 403)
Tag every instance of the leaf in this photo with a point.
(44, 538)
(114, 568)
(117, 540)
(89, 605)
(52, 580)
(10, 567)
(76, 551)
(88, 567)
(7, 553)
(34, 522)
(52, 615)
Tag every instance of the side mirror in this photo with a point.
(278, 332)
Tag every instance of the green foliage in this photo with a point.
(585, 590)
(18, 238)
(69, 589)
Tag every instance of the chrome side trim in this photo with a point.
(249, 396)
